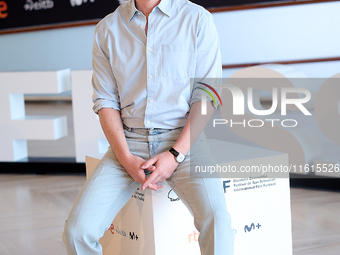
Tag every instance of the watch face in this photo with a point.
(180, 158)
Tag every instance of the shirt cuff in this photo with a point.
(197, 97)
(102, 103)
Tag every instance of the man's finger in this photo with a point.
(148, 163)
(157, 180)
(154, 187)
(151, 168)
(149, 181)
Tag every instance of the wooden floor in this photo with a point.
(315, 222)
(33, 209)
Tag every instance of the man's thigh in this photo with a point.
(201, 195)
(205, 199)
(104, 193)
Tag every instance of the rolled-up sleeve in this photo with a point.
(105, 91)
(208, 59)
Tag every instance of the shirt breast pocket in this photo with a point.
(178, 61)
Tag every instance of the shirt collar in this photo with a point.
(130, 9)
(164, 6)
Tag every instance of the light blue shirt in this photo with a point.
(148, 77)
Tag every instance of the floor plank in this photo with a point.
(33, 210)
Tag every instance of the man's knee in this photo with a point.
(69, 235)
(215, 217)
(74, 236)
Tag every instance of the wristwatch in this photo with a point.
(180, 157)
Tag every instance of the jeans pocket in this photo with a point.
(178, 61)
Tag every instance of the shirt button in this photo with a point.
(150, 101)
(141, 26)
(150, 76)
(149, 49)
(148, 122)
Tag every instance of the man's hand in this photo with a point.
(165, 164)
(132, 165)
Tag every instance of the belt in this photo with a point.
(148, 131)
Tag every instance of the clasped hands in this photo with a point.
(162, 167)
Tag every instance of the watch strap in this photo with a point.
(180, 157)
(174, 152)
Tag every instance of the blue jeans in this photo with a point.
(110, 187)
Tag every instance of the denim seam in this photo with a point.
(205, 186)
(120, 192)
(184, 197)
(76, 223)
(89, 190)
(156, 144)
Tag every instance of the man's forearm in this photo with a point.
(164, 162)
(112, 126)
(193, 128)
